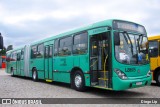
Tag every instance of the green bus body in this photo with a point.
(83, 52)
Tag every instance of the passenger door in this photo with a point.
(100, 59)
(18, 63)
(48, 62)
(22, 63)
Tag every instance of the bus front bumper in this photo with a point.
(119, 84)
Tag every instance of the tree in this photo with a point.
(3, 52)
(10, 47)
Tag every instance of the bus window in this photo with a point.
(65, 46)
(14, 56)
(153, 48)
(50, 51)
(46, 52)
(8, 57)
(40, 51)
(22, 54)
(80, 43)
(56, 47)
(33, 51)
(18, 56)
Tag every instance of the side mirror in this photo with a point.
(1, 42)
(116, 38)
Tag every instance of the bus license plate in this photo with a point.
(139, 83)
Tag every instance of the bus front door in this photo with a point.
(48, 62)
(99, 65)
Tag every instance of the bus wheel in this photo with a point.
(12, 72)
(78, 81)
(34, 75)
(158, 78)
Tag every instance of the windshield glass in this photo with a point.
(133, 49)
(153, 48)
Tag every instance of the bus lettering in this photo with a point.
(130, 69)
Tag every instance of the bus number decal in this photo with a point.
(130, 69)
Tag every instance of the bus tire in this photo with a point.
(158, 78)
(12, 72)
(78, 81)
(35, 75)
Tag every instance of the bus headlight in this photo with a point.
(149, 73)
(120, 74)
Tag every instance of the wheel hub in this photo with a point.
(12, 72)
(78, 80)
(34, 75)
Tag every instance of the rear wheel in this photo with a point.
(78, 81)
(12, 72)
(158, 78)
(34, 75)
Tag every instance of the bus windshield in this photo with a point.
(133, 49)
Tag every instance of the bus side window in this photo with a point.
(50, 51)
(11, 57)
(46, 52)
(33, 51)
(80, 43)
(56, 47)
(65, 46)
(14, 56)
(22, 54)
(40, 51)
(18, 56)
(153, 48)
(8, 58)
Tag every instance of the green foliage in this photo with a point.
(3, 51)
(10, 47)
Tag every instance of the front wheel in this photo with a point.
(78, 81)
(158, 78)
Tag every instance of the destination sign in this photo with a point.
(128, 26)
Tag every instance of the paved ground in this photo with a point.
(18, 87)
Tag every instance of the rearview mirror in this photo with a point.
(116, 38)
(1, 42)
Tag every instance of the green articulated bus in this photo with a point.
(111, 54)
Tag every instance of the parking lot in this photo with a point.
(18, 87)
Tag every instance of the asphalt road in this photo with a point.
(18, 87)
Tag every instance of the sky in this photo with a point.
(25, 21)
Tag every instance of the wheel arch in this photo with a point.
(33, 69)
(74, 70)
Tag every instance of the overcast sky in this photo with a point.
(25, 21)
